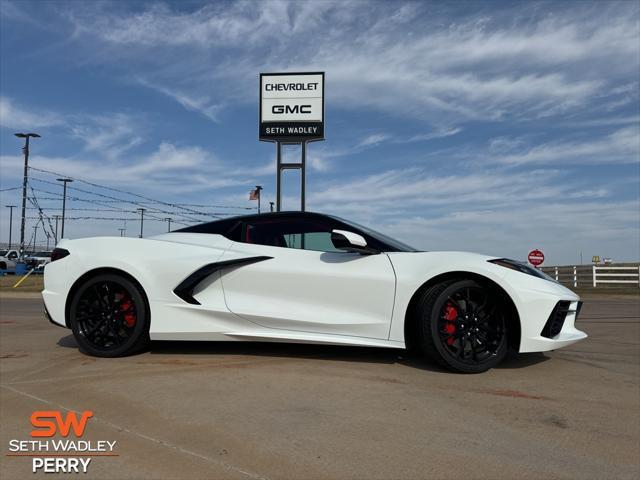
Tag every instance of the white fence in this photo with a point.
(595, 276)
(602, 275)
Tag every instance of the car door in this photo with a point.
(306, 284)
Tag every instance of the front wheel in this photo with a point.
(462, 326)
(109, 316)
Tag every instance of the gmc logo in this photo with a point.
(279, 109)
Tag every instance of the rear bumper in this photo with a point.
(48, 317)
(59, 276)
(54, 306)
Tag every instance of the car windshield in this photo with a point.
(396, 244)
(3, 253)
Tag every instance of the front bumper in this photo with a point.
(536, 299)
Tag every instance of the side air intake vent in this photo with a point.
(189, 284)
(556, 319)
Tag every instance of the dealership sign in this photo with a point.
(536, 257)
(291, 106)
(57, 445)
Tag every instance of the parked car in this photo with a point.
(38, 260)
(8, 259)
(307, 278)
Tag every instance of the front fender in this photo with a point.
(533, 297)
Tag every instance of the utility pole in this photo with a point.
(271, 206)
(168, 219)
(122, 230)
(141, 220)
(56, 232)
(25, 149)
(10, 207)
(64, 201)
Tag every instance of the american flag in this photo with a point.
(254, 194)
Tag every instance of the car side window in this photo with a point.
(13, 255)
(305, 234)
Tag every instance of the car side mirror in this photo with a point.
(351, 242)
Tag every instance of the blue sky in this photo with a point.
(485, 126)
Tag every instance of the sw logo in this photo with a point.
(61, 454)
(50, 422)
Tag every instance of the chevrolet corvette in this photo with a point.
(306, 278)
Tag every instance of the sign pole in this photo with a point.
(303, 169)
(278, 180)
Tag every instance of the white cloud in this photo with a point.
(494, 212)
(108, 135)
(406, 59)
(373, 139)
(622, 146)
(169, 170)
(202, 104)
(16, 117)
(561, 230)
(438, 133)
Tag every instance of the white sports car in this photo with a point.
(306, 278)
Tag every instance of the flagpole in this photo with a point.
(258, 189)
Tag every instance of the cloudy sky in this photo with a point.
(487, 126)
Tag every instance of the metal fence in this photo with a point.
(619, 275)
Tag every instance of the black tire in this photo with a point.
(462, 326)
(3, 266)
(109, 316)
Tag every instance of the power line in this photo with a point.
(88, 209)
(101, 202)
(128, 219)
(174, 205)
(34, 200)
(109, 197)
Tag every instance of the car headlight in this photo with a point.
(522, 268)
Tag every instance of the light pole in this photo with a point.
(168, 219)
(141, 220)
(35, 234)
(64, 201)
(25, 149)
(271, 206)
(10, 207)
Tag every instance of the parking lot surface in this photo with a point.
(259, 410)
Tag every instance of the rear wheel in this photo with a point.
(462, 326)
(109, 316)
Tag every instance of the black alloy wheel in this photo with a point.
(463, 326)
(109, 316)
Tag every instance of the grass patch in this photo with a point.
(33, 283)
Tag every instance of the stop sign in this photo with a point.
(536, 257)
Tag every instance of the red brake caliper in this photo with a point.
(129, 318)
(450, 315)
